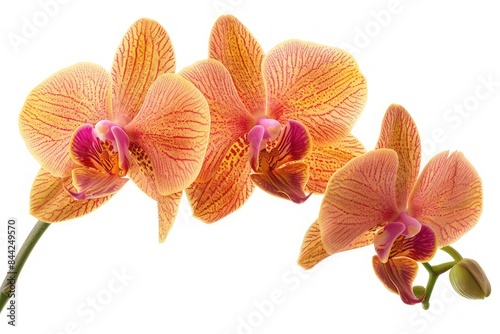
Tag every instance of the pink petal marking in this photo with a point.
(104, 147)
(255, 137)
(121, 144)
(420, 247)
(85, 147)
(103, 152)
(108, 130)
(412, 226)
(92, 183)
(266, 128)
(272, 127)
(383, 241)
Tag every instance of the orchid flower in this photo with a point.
(281, 121)
(380, 199)
(89, 128)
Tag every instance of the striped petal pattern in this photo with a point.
(319, 86)
(144, 54)
(236, 48)
(172, 127)
(358, 198)
(57, 107)
(448, 197)
(399, 133)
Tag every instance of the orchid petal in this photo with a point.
(312, 250)
(358, 198)
(143, 176)
(255, 137)
(55, 108)
(172, 127)
(384, 240)
(448, 197)
(233, 45)
(293, 144)
(421, 247)
(50, 202)
(319, 86)
(400, 134)
(144, 54)
(141, 171)
(365, 239)
(227, 190)
(167, 211)
(287, 182)
(229, 118)
(398, 275)
(326, 159)
(92, 183)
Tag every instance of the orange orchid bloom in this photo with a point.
(379, 199)
(281, 121)
(89, 128)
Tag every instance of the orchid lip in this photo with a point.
(404, 225)
(103, 158)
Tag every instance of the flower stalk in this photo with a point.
(436, 271)
(25, 251)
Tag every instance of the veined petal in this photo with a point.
(400, 134)
(55, 108)
(384, 240)
(421, 247)
(227, 190)
(142, 174)
(287, 182)
(312, 250)
(326, 159)
(358, 198)
(92, 183)
(50, 202)
(233, 45)
(167, 211)
(141, 171)
(398, 275)
(172, 127)
(229, 118)
(448, 196)
(319, 86)
(293, 144)
(365, 239)
(144, 54)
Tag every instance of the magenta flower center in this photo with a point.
(404, 225)
(103, 156)
(263, 133)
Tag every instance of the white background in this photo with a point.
(212, 279)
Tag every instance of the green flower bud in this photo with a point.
(419, 291)
(469, 280)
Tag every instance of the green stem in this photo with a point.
(434, 272)
(443, 267)
(453, 253)
(430, 285)
(21, 258)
